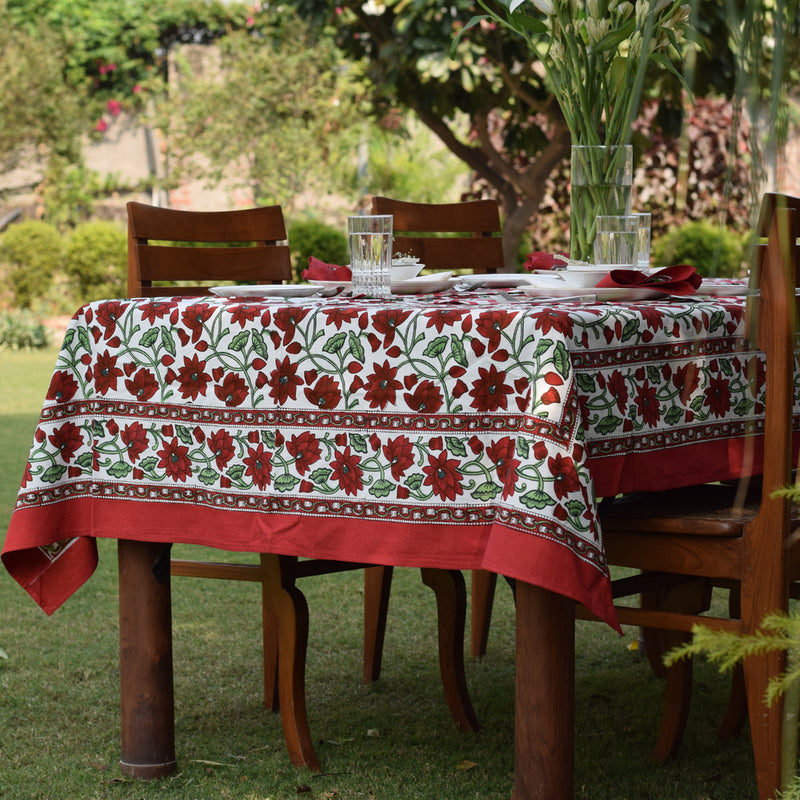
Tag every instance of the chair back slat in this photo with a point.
(257, 257)
(435, 233)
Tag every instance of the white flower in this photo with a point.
(545, 6)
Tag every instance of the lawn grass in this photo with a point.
(59, 691)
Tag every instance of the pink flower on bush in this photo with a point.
(101, 126)
(114, 107)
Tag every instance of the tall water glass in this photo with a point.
(615, 241)
(371, 254)
(643, 243)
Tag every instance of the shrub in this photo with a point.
(315, 238)
(713, 251)
(33, 250)
(96, 260)
(20, 330)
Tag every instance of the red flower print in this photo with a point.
(718, 396)
(346, 471)
(62, 387)
(502, 454)
(686, 380)
(233, 391)
(66, 439)
(491, 324)
(193, 318)
(565, 476)
(259, 465)
(647, 404)
(192, 379)
(305, 450)
(653, 317)
(221, 445)
(618, 389)
(338, 316)
(440, 319)
(175, 460)
(325, 394)
(388, 321)
(442, 474)
(106, 372)
(490, 391)
(134, 438)
(283, 381)
(400, 455)
(556, 320)
(287, 318)
(756, 374)
(143, 385)
(243, 313)
(426, 398)
(382, 386)
(107, 315)
(156, 309)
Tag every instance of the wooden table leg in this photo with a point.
(145, 663)
(544, 753)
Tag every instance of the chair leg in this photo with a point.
(288, 606)
(765, 721)
(451, 601)
(483, 588)
(269, 631)
(736, 712)
(377, 587)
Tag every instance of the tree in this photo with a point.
(39, 112)
(271, 117)
(488, 102)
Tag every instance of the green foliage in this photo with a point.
(314, 238)
(33, 250)
(272, 116)
(21, 330)
(39, 113)
(715, 252)
(96, 260)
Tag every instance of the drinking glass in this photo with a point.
(615, 241)
(643, 242)
(371, 254)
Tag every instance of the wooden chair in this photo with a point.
(461, 237)
(686, 540)
(160, 250)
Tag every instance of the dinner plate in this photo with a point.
(267, 290)
(425, 284)
(496, 279)
(599, 293)
(724, 290)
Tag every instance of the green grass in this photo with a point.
(59, 691)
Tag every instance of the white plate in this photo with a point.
(720, 290)
(436, 282)
(497, 279)
(267, 290)
(331, 284)
(601, 293)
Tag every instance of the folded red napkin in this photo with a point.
(540, 260)
(320, 271)
(680, 279)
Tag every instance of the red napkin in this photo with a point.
(320, 271)
(680, 279)
(539, 260)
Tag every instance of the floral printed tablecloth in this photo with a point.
(453, 430)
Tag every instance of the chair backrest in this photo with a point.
(163, 246)
(447, 236)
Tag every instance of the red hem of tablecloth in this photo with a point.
(496, 547)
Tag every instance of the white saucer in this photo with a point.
(267, 290)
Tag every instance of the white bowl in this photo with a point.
(583, 276)
(405, 270)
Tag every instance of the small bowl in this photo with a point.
(584, 277)
(405, 270)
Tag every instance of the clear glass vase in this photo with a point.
(601, 180)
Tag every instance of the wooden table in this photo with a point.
(471, 430)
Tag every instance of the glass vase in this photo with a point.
(601, 179)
